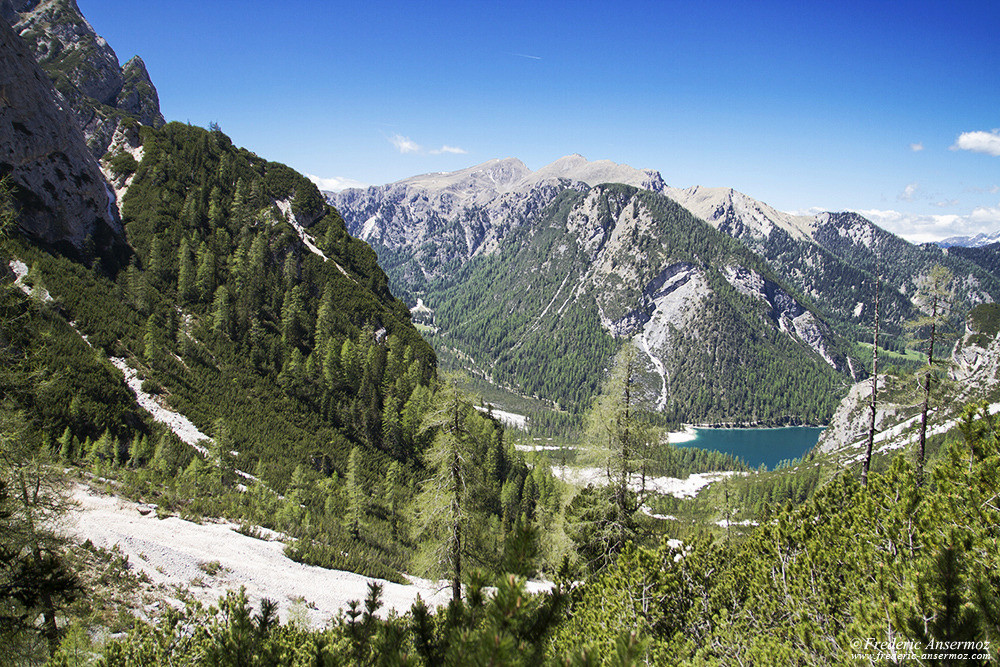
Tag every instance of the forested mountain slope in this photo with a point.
(723, 340)
(427, 229)
(831, 258)
(281, 383)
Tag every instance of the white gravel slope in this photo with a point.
(170, 550)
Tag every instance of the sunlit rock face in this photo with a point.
(62, 198)
(91, 84)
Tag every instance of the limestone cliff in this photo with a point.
(970, 374)
(62, 198)
(101, 94)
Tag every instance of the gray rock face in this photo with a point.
(433, 223)
(63, 200)
(85, 70)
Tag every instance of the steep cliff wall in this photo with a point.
(101, 94)
(62, 198)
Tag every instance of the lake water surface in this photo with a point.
(758, 445)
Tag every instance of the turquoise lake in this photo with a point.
(758, 445)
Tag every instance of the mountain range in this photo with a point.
(977, 241)
(558, 254)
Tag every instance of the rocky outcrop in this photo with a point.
(100, 93)
(790, 315)
(850, 422)
(973, 375)
(62, 198)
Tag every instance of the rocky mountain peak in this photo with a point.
(577, 168)
(84, 68)
(62, 199)
(737, 214)
(487, 179)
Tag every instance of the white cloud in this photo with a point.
(986, 215)
(924, 228)
(951, 203)
(979, 142)
(917, 147)
(449, 149)
(908, 192)
(404, 144)
(336, 183)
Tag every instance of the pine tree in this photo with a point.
(394, 495)
(292, 315)
(67, 445)
(325, 319)
(222, 450)
(205, 282)
(157, 266)
(222, 311)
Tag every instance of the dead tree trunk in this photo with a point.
(874, 402)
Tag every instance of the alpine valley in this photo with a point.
(442, 421)
(743, 314)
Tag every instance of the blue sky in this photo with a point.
(889, 108)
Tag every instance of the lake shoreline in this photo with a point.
(768, 445)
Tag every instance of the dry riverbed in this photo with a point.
(209, 558)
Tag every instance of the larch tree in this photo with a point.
(35, 584)
(445, 511)
(601, 528)
(936, 297)
(355, 493)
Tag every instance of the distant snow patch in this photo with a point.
(662, 517)
(688, 487)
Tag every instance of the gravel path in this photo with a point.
(170, 551)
